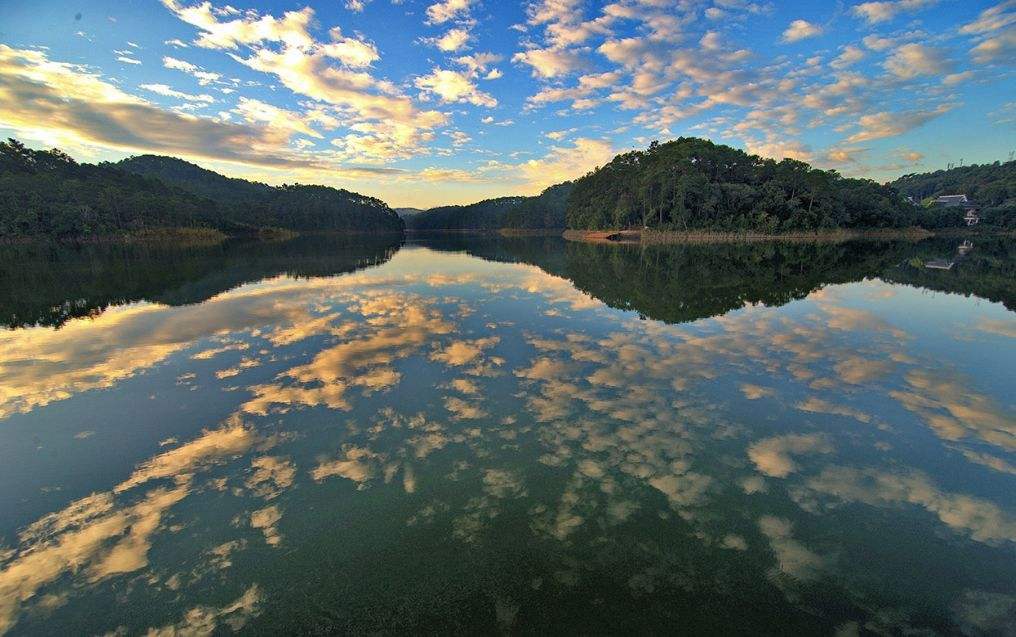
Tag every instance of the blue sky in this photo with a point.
(450, 101)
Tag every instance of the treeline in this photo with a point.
(294, 207)
(543, 211)
(694, 184)
(483, 215)
(546, 210)
(48, 193)
(992, 187)
(50, 283)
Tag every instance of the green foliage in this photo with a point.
(293, 207)
(546, 210)
(483, 215)
(992, 187)
(47, 193)
(694, 184)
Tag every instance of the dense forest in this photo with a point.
(685, 184)
(482, 215)
(543, 211)
(694, 184)
(546, 210)
(992, 187)
(295, 207)
(48, 193)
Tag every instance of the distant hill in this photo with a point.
(545, 210)
(48, 193)
(406, 213)
(295, 207)
(194, 178)
(483, 215)
(694, 184)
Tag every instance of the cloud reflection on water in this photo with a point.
(741, 431)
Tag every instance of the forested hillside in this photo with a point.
(543, 211)
(47, 193)
(295, 207)
(546, 210)
(992, 187)
(693, 183)
(483, 215)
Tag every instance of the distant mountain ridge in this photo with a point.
(294, 207)
(48, 193)
(543, 211)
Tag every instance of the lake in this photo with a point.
(477, 434)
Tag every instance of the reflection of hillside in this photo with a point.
(987, 271)
(51, 283)
(676, 283)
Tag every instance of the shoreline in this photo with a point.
(655, 237)
(186, 236)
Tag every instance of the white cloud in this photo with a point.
(446, 10)
(876, 12)
(453, 86)
(551, 62)
(890, 124)
(167, 91)
(204, 77)
(800, 30)
(383, 123)
(999, 48)
(52, 100)
(912, 60)
(848, 57)
(993, 18)
(454, 40)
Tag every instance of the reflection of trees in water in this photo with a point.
(676, 283)
(988, 271)
(51, 283)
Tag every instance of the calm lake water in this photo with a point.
(481, 435)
